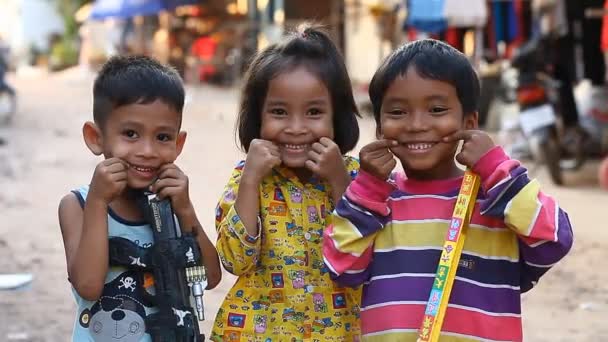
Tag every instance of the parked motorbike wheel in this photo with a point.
(552, 151)
(8, 106)
(546, 148)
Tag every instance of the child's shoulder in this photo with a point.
(71, 210)
(73, 201)
(77, 194)
(352, 165)
(240, 165)
(237, 170)
(80, 193)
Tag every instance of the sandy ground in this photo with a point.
(44, 158)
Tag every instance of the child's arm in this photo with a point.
(238, 212)
(85, 232)
(173, 183)
(544, 230)
(359, 216)
(238, 249)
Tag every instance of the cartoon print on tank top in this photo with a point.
(119, 314)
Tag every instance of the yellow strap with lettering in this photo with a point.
(450, 256)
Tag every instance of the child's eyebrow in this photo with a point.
(317, 102)
(139, 125)
(396, 99)
(132, 123)
(285, 103)
(276, 103)
(165, 128)
(437, 97)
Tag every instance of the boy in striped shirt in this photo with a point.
(389, 228)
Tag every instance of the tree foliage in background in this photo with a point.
(64, 50)
(67, 9)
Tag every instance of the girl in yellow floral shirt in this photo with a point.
(297, 120)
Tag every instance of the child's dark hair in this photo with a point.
(434, 60)
(125, 80)
(308, 46)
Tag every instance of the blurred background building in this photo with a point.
(212, 40)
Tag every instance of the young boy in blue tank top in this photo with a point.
(137, 110)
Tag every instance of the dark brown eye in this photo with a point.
(396, 112)
(314, 111)
(129, 133)
(278, 111)
(164, 137)
(438, 110)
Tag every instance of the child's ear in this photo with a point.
(93, 137)
(471, 120)
(180, 141)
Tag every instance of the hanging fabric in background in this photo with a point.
(473, 14)
(505, 20)
(523, 9)
(426, 15)
(604, 43)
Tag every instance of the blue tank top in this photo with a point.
(119, 314)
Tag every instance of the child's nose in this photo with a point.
(147, 148)
(418, 122)
(296, 125)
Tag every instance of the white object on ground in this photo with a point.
(15, 281)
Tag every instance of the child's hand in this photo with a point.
(476, 145)
(325, 160)
(109, 180)
(262, 156)
(172, 183)
(377, 158)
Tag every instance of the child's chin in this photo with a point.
(294, 163)
(139, 186)
(418, 167)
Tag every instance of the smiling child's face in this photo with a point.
(296, 113)
(145, 136)
(418, 112)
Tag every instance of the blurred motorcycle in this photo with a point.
(539, 104)
(536, 97)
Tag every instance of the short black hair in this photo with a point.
(125, 80)
(434, 60)
(310, 47)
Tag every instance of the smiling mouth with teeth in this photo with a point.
(419, 146)
(295, 147)
(142, 169)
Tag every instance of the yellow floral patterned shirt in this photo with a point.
(284, 292)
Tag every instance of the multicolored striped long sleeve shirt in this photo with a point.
(388, 235)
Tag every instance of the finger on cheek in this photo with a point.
(311, 165)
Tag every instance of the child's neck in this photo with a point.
(303, 174)
(125, 205)
(436, 174)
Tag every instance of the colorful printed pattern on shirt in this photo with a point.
(284, 291)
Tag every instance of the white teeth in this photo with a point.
(295, 147)
(419, 146)
(142, 169)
